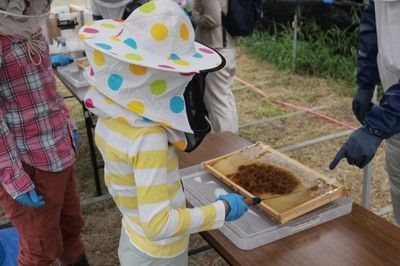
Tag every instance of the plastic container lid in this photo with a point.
(254, 228)
(73, 74)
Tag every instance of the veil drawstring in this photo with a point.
(34, 47)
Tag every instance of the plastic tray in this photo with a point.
(254, 228)
(73, 74)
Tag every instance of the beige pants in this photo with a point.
(129, 255)
(392, 155)
(218, 96)
(388, 31)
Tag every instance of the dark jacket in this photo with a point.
(384, 119)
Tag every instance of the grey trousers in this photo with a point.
(390, 76)
(218, 96)
(129, 255)
(392, 154)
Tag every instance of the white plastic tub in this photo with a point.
(255, 228)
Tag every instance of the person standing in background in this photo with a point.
(378, 61)
(218, 96)
(38, 190)
(118, 9)
(114, 9)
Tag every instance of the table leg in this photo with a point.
(93, 156)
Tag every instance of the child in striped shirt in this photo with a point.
(140, 68)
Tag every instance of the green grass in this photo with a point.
(272, 110)
(329, 54)
(309, 98)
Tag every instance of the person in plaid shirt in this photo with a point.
(38, 187)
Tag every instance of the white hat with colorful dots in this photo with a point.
(157, 35)
(141, 66)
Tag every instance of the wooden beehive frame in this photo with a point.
(336, 192)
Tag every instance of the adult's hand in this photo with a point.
(359, 149)
(237, 206)
(31, 199)
(60, 60)
(362, 103)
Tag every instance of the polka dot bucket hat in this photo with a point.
(157, 35)
(140, 67)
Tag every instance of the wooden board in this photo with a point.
(82, 63)
(282, 207)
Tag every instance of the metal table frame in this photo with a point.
(79, 94)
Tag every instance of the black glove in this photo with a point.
(359, 148)
(362, 103)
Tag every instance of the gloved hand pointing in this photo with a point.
(236, 204)
(31, 199)
(359, 149)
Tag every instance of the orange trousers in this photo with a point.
(53, 231)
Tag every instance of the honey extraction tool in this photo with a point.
(320, 187)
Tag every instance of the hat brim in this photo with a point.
(104, 36)
(41, 15)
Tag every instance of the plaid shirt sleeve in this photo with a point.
(12, 175)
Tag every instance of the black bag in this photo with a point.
(242, 16)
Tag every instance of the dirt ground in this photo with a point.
(262, 117)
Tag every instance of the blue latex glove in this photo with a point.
(359, 148)
(60, 60)
(76, 138)
(237, 205)
(31, 199)
(362, 103)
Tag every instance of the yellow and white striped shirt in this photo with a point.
(141, 173)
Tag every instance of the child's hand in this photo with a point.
(236, 204)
